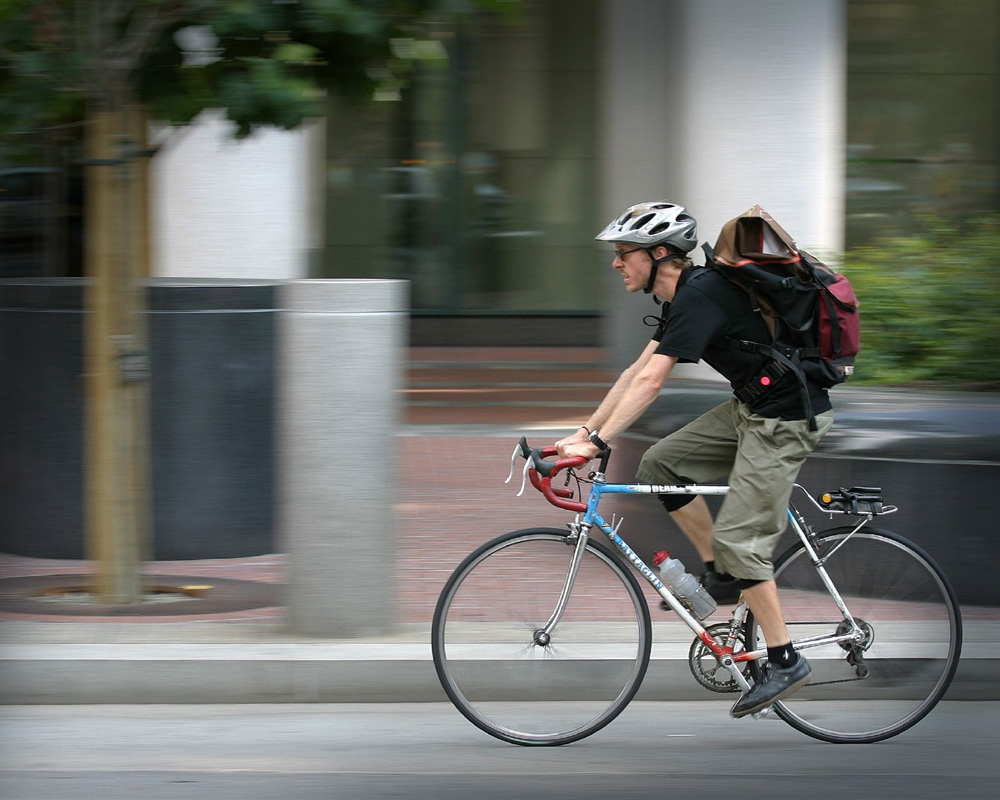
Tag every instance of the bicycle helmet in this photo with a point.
(651, 225)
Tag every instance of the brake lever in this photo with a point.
(513, 459)
(524, 477)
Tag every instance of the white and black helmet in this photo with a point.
(652, 224)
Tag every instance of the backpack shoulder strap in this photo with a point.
(757, 301)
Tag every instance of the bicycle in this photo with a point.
(530, 658)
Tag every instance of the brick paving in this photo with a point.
(453, 456)
(451, 495)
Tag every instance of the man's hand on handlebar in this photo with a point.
(584, 448)
(577, 438)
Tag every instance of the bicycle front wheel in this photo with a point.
(912, 626)
(514, 682)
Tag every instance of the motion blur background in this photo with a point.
(483, 179)
(216, 152)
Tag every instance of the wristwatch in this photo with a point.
(595, 439)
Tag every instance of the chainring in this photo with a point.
(706, 667)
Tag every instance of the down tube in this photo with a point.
(648, 574)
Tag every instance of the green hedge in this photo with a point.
(930, 305)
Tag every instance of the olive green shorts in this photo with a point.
(761, 457)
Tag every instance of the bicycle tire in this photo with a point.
(907, 605)
(486, 656)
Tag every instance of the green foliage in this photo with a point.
(930, 305)
(36, 72)
(268, 63)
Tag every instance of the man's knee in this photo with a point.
(673, 502)
(653, 469)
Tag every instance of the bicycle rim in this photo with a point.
(483, 639)
(908, 609)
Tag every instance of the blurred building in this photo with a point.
(484, 181)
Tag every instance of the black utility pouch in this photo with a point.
(761, 383)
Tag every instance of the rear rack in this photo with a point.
(858, 501)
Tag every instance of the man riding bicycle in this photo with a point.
(760, 442)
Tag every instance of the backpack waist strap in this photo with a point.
(784, 359)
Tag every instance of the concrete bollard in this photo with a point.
(341, 355)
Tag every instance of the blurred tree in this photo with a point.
(117, 63)
(930, 305)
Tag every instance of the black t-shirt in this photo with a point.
(707, 308)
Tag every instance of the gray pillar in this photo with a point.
(341, 355)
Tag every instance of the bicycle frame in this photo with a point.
(590, 517)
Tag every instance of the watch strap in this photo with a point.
(597, 440)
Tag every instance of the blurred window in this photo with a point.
(923, 114)
(41, 204)
(478, 182)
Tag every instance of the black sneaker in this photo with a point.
(724, 588)
(776, 683)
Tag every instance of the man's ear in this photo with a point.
(660, 252)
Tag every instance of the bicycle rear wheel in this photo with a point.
(907, 608)
(517, 686)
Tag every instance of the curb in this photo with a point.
(393, 669)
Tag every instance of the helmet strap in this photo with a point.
(656, 267)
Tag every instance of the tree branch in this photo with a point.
(120, 58)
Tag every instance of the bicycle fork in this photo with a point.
(543, 635)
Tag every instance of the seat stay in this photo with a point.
(796, 521)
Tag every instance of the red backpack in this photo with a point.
(811, 311)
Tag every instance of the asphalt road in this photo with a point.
(291, 752)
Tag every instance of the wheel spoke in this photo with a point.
(484, 639)
(898, 596)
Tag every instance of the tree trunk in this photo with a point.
(116, 487)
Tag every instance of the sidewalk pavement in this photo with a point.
(454, 453)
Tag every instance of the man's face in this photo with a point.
(634, 264)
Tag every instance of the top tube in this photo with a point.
(658, 488)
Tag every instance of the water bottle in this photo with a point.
(684, 585)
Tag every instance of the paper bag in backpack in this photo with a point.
(811, 311)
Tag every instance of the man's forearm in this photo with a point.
(620, 388)
(634, 400)
(611, 400)
(643, 388)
